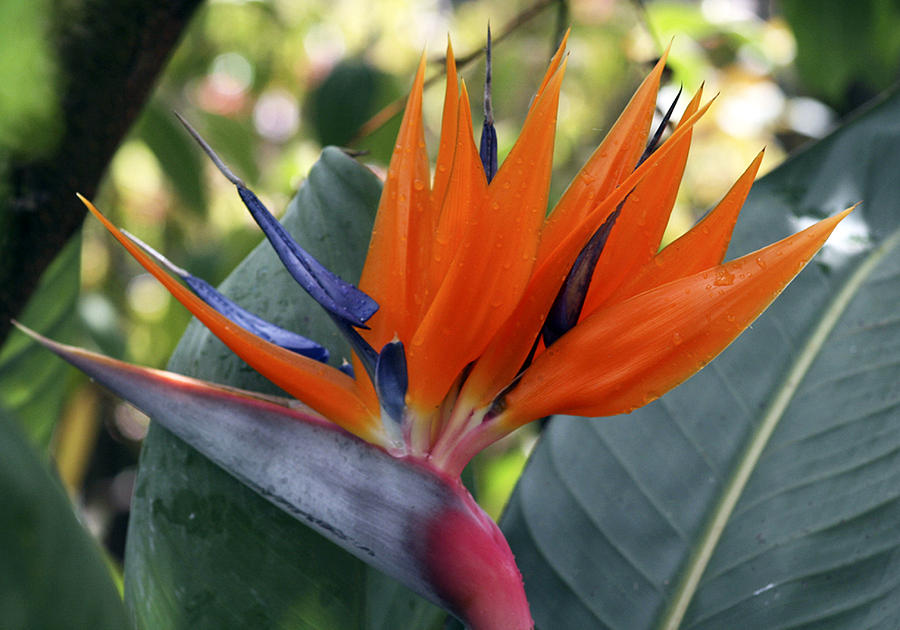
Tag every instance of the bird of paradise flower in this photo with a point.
(476, 313)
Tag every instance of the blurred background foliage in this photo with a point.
(269, 83)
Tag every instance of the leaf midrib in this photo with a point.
(734, 486)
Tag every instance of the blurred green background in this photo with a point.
(269, 83)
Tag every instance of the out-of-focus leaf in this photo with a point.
(845, 45)
(176, 153)
(765, 491)
(350, 95)
(29, 109)
(344, 100)
(30, 386)
(52, 574)
(203, 550)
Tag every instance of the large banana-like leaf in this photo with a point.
(204, 551)
(31, 387)
(52, 573)
(765, 491)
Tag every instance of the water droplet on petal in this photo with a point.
(723, 278)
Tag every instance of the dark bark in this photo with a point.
(110, 53)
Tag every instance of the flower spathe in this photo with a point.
(469, 276)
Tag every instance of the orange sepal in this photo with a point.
(639, 228)
(629, 354)
(610, 163)
(327, 390)
(504, 355)
(448, 142)
(467, 189)
(551, 69)
(493, 261)
(701, 247)
(394, 273)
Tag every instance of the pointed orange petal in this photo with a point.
(493, 260)
(467, 189)
(613, 160)
(394, 272)
(448, 141)
(325, 389)
(639, 229)
(702, 247)
(506, 352)
(551, 69)
(629, 354)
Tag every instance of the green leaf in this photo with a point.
(30, 386)
(203, 550)
(352, 93)
(52, 574)
(765, 491)
(347, 98)
(842, 46)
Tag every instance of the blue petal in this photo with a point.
(255, 324)
(569, 301)
(391, 380)
(240, 316)
(347, 369)
(567, 307)
(341, 299)
(653, 143)
(488, 149)
(338, 297)
(361, 347)
(488, 146)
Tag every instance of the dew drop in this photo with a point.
(418, 184)
(677, 339)
(723, 278)
(760, 262)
